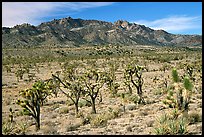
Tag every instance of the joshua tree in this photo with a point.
(54, 84)
(8, 68)
(111, 78)
(190, 72)
(133, 74)
(127, 83)
(93, 81)
(19, 74)
(180, 97)
(11, 115)
(175, 76)
(33, 100)
(75, 90)
(72, 82)
(165, 67)
(31, 76)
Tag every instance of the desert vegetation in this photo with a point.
(102, 90)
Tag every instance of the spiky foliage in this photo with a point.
(133, 75)
(167, 125)
(179, 97)
(175, 75)
(93, 81)
(33, 99)
(8, 128)
(187, 84)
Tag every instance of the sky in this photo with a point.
(173, 17)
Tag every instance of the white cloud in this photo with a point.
(174, 24)
(14, 13)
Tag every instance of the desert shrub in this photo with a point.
(194, 117)
(27, 67)
(165, 67)
(134, 99)
(69, 102)
(73, 127)
(64, 110)
(86, 119)
(174, 114)
(98, 120)
(22, 128)
(113, 113)
(50, 130)
(84, 103)
(14, 128)
(55, 106)
(168, 126)
(158, 92)
(7, 128)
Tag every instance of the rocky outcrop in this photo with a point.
(68, 32)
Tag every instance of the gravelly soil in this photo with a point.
(136, 120)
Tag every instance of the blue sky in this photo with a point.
(174, 17)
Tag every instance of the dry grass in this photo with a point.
(58, 114)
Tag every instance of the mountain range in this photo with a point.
(69, 32)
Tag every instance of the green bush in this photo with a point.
(84, 103)
(7, 128)
(99, 121)
(168, 126)
(175, 75)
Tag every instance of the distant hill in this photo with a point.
(69, 32)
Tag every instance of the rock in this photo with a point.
(129, 128)
(131, 107)
(150, 123)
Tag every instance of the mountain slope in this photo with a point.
(69, 32)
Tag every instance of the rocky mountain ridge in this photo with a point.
(69, 32)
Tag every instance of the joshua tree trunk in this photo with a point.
(38, 123)
(139, 92)
(38, 117)
(76, 108)
(130, 89)
(93, 105)
(100, 99)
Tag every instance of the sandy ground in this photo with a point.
(59, 118)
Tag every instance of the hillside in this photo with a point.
(69, 32)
